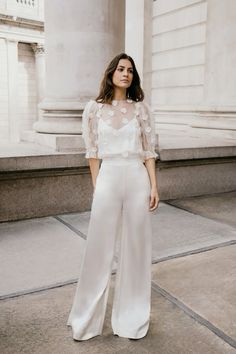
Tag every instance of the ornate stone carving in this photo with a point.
(38, 48)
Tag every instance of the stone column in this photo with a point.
(134, 32)
(12, 64)
(40, 69)
(138, 39)
(219, 105)
(80, 39)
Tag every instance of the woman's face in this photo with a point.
(123, 75)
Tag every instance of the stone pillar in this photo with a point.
(134, 32)
(219, 105)
(138, 39)
(80, 39)
(12, 68)
(40, 69)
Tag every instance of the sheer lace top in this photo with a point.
(124, 128)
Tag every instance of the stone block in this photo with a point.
(185, 16)
(182, 57)
(177, 180)
(58, 142)
(29, 194)
(35, 182)
(184, 37)
(161, 7)
(177, 95)
(187, 76)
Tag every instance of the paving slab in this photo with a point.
(37, 253)
(79, 221)
(220, 206)
(42, 252)
(174, 230)
(36, 324)
(206, 283)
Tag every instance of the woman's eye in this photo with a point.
(121, 69)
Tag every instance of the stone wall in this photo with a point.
(193, 53)
(3, 91)
(21, 25)
(179, 34)
(49, 185)
(28, 9)
(18, 89)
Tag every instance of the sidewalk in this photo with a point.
(193, 288)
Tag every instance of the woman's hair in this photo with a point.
(106, 93)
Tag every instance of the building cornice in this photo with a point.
(21, 22)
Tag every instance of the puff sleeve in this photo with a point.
(148, 135)
(90, 129)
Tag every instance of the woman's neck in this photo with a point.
(119, 94)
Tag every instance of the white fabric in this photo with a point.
(124, 128)
(120, 208)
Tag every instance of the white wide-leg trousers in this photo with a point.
(120, 207)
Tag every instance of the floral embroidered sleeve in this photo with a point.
(148, 135)
(89, 129)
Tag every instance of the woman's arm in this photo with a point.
(154, 197)
(94, 169)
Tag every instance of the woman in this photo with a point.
(117, 128)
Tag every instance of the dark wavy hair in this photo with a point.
(106, 93)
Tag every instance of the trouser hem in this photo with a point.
(129, 335)
(86, 336)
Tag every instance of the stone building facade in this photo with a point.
(185, 53)
(184, 50)
(193, 71)
(22, 65)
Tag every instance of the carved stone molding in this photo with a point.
(17, 21)
(38, 48)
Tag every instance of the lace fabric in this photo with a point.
(124, 128)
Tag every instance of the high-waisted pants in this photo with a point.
(120, 207)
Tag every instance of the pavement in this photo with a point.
(193, 282)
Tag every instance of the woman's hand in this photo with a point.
(94, 168)
(154, 199)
